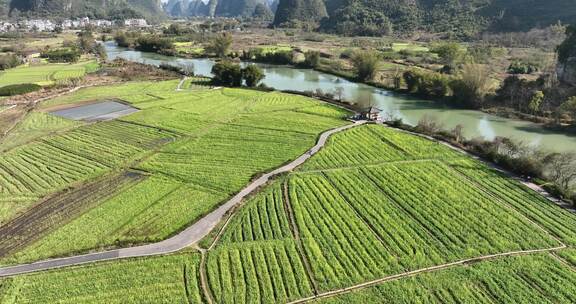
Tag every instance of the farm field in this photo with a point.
(523, 279)
(167, 279)
(422, 222)
(193, 149)
(376, 203)
(46, 74)
(33, 126)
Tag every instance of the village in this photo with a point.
(47, 25)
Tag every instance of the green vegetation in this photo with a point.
(45, 74)
(377, 202)
(196, 146)
(62, 55)
(34, 126)
(220, 45)
(525, 279)
(167, 279)
(18, 89)
(9, 61)
(374, 203)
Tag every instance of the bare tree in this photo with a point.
(187, 67)
(457, 132)
(339, 92)
(429, 125)
(561, 169)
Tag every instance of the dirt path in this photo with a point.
(181, 83)
(189, 236)
(345, 290)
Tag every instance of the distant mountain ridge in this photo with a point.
(462, 17)
(219, 8)
(150, 9)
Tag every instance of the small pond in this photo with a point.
(104, 110)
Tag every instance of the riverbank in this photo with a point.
(392, 103)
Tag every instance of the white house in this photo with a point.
(135, 22)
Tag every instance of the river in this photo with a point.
(410, 109)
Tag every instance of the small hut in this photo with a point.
(371, 113)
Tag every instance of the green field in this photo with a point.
(168, 279)
(376, 204)
(195, 147)
(46, 73)
(527, 279)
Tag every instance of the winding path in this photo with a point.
(186, 238)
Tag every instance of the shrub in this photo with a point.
(62, 55)
(9, 61)
(253, 75)
(220, 45)
(427, 84)
(227, 73)
(366, 64)
(519, 67)
(154, 44)
(17, 89)
(312, 59)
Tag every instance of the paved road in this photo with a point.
(188, 237)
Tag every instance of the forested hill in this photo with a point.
(459, 17)
(150, 9)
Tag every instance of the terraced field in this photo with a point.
(377, 216)
(46, 74)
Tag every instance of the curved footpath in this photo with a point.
(186, 238)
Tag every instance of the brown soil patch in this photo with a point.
(58, 210)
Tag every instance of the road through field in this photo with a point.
(189, 236)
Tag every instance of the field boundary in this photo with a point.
(412, 273)
(189, 236)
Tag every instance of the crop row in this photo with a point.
(525, 279)
(263, 218)
(413, 146)
(40, 168)
(43, 167)
(290, 121)
(167, 279)
(112, 221)
(524, 200)
(375, 144)
(409, 213)
(342, 249)
(257, 272)
(464, 220)
(227, 157)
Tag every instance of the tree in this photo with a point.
(227, 73)
(472, 85)
(220, 45)
(86, 41)
(339, 92)
(450, 53)
(366, 64)
(253, 75)
(312, 59)
(535, 102)
(187, 68)
(569, 106)
(561, 169)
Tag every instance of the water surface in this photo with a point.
(410, 109)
